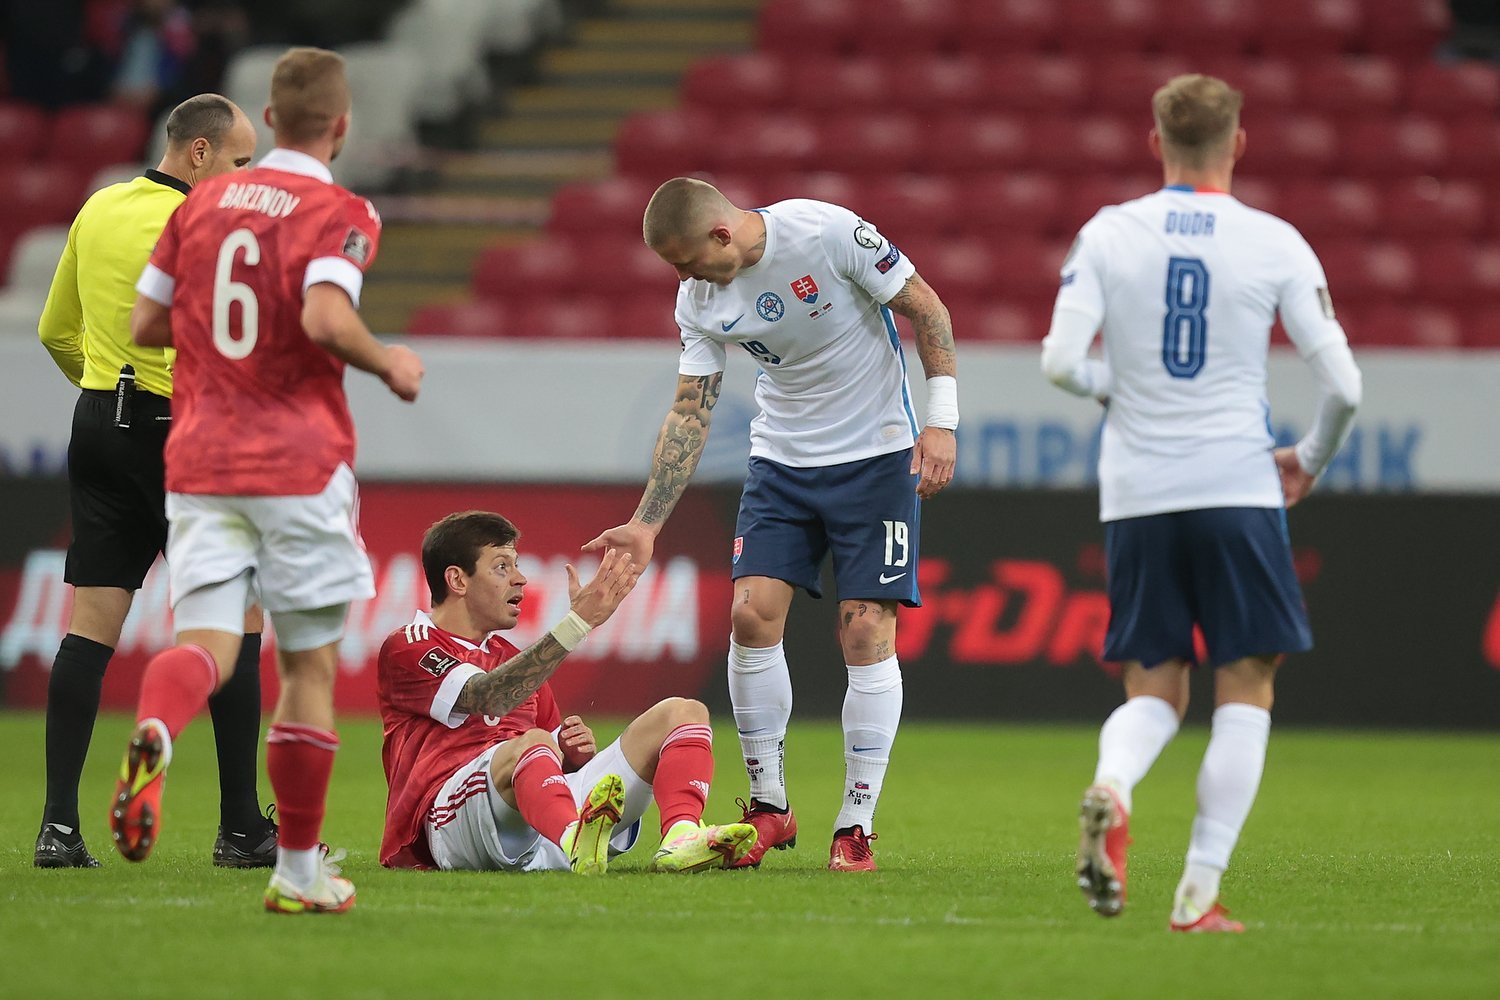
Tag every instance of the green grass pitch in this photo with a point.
(1369, 868)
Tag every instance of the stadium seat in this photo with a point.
(1257, 192)
(964, 268)
(901, 26)
(1396, 325)
(33, 261)
(1310, 28)
(964, 143)
(647, 316)
(622, 266)
(996, 27)
(87, 137)
(1012, 202)
(821, 26)
(1087, 195)
(1395, 147)
(1209, 29)
(837, 189)
(1091, 145)
(1473, 150)
(567, 318)
(23, 131)
(879, 144)
(41, 193)
(1460, 272)
(1331, 209)
(1410, 29)
(904, 206)
(449, 41)
(612, 205)
(835, 87)
(766, 143)
(546, 268)
(474, 318)
(1463, 91)
(660, 144)
(1358, 269)
(731, 84)
(1000, 320)
(1100, 26)
(1270, 86)
(1047, 85)
(385, 80)
(935, 84)
(1124, 84)
(1352, 86)
(1296, 145)
(1428, 207)
(1027, 268)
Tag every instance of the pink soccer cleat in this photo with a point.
(773, 829)
(851, 851)
(1104, 832)
(1215, 921)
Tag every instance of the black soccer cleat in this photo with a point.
(248, 850)
(56, 849)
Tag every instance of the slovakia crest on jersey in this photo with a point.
(806, 289)
(739, 547)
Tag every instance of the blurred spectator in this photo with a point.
(156, 42)
(1476, 29)
(49, 56)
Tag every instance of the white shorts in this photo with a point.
(304, 552)
(471, 828)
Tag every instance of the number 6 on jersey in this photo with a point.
(227, 291)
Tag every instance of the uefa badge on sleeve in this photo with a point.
(739, 547)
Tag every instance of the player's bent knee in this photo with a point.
(685, 712)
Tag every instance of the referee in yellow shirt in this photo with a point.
(116, 484)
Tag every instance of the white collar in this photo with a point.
(294, 161)
(423, 618)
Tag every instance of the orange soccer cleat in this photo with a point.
(135, 814)
(851, 851)
(773, 829)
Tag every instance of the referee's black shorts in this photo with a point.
(116, 483)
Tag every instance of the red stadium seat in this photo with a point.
(1045, 84)
(1396, 325)
(614, 204)
(1357, 86)
(647, 316)
(1460, 271)
(836, 86)
(904, 206)
(1025, 268)
(839, 189)
(870, 144)
(41, 193)
(1310, 28)
(1257, 192)
(730, 84)
(1395, 147)
(1211, 28)
(623, 266)
(1124, 84)
(1467, 90)
(966, 143)
(92, 136)
(1295, 145)
(547, 268)
(1473, 150)
(1099, 26)
(770, 143)
(1332, 209)
(660, 144)
(1480, 330)
(964, 268)
(992, 27)
(566, 318)
(811, 26)
(23, 131)
(940, 84)
(1358, 269)
(1089, 194)
(1090, 145)
(1412, 28)
(1010, 202)
(1270, 86)
(901, 26)
(474, 318)
(1425, 206)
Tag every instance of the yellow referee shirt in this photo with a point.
(86, 322)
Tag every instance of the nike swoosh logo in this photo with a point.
(864, 749)
(752, 732)
(726, 327)
(891, 579)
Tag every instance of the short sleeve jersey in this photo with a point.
(1185, 285)
(258, 408)
(420, 672)
(811, 313)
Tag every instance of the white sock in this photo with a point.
(760, 688)
(872, 712)
(1130, 741)
(298, 867)
(1227, 783)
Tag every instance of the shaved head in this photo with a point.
(1196, 117)
(684, 209)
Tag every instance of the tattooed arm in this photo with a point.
(936, 450)
(679, 446)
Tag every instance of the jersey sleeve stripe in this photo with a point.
(156, 285)
(447, 694)
(335, 271)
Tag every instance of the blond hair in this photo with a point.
(309, 92)
(1196, 116)
(684, 208)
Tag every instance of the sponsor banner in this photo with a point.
(667, 639)
(593, 410)
(1403, 592)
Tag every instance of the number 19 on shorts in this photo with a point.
(897, 543)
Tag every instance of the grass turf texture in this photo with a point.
(1368, 868)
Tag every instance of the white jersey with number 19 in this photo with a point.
(1185, 286)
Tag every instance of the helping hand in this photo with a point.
(595, 601)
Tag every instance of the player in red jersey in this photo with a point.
(485, 773)
(256, 283)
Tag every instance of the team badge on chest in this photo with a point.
(769, 307)
(806, 289)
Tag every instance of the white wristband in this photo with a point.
(570, 631)
(942, 402)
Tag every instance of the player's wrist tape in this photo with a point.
(942, 402)
(571, 631)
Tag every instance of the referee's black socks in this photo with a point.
(72, 704)
(236, 713)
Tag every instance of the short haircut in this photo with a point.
(457, 540)
(207, 116)
(1196, 116)
(309, 92)
(683, 208)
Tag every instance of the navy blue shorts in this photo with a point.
(866, 512)
(1226, 569)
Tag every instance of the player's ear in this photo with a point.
(1239, 144)
(1153, 141)
(456, 580)
(266, 114)
(722, 235)
(200, 151)
(341, 126)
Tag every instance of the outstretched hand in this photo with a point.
(596, 600)
(576, 741)
(1295, 482)
(934, 456)
(631, 538)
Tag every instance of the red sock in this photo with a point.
(299, 760)
(542, 793)
(176, 686)
(683, 773)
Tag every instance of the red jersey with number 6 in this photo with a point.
(258, 409)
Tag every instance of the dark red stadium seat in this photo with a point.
(1206, 29)
(1428, 207)
(965, 143)
(1025, 268)
(1473, 150)
(909, 205)
(877, 143)
(474, 318)
(1460, 272)
(1466, 90)
(1310, 28)
(1395, 147)
(1050, 85)
(23, 131)
(647, 316)
(1258, 192)
(1100, 26)
(96, 135)
(566, 318)
(1124, 84)
(837, 86)
(1270, 86)
(1091, 145)
(1011, 202)
(1368, 87)
(838, 189)
(41, 193)
(659, 144)
(548, 268)
(730, 84)
(811, 26)
(901, 26)
(1088, 194)
(611, 205)
(937, 84)
(1295, 145)
(963, 267)
(1399, 325)
(1331, 209)
(1358, 269)
(996, 27)
(769, 143)
(1409, 29)
(623, 266)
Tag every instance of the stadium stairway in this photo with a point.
(541, 134)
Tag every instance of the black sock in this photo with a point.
(72, 704)
(236, 713)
